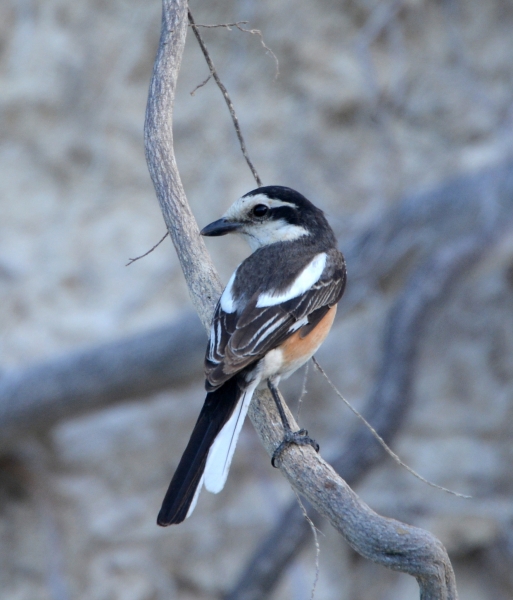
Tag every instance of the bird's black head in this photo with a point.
(273, 214)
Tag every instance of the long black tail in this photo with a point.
(216, 411)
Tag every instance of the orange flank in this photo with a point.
(298, 350)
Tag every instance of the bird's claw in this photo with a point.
(300, 438)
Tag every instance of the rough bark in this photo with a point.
(202, 279)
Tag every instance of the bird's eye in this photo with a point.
(260, 210)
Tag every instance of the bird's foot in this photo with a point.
(300, 438)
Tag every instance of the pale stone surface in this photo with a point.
(369, 104)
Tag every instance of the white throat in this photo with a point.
(271, 232)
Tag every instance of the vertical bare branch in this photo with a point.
(385, 541)
(202, 279)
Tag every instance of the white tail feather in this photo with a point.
(221, 453)
(196, 496)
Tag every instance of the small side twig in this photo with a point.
(316, 542)
(257, 32)
(381, 441)
(227, 98)
(132, 260)
(226, 25)
(200, 85)
(264, 45)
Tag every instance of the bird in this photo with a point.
(272, 316)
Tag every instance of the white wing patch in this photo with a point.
(305, 280)
(298, 324)
(227, 301)
(267, 328)
(221, 453)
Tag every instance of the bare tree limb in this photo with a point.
(385, 541)
(202, 279)
(472, 211)
(38, 395)
(386, 409)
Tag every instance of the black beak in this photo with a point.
(220, 227)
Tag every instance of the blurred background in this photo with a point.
(395, 117)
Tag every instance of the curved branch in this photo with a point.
(385, 541)
(202, 279)
(39, 394)
(481, 203)
(386, 408)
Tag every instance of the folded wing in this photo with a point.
(241, 338)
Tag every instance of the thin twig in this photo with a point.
(213, 73)
(264, 45)
(316, 542)
(132, 260)
(200, 85)
(253, 32)
(227, 25)
(385, 446)
(303, 391)
(226, 96)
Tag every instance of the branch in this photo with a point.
(386, 408)
(385, 541)
(132, 260)
(136, 366)
(39, 394)
(225, 25)
(226, 96)
(202, 279)
(424, 223)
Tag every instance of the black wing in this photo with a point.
(238, 340)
